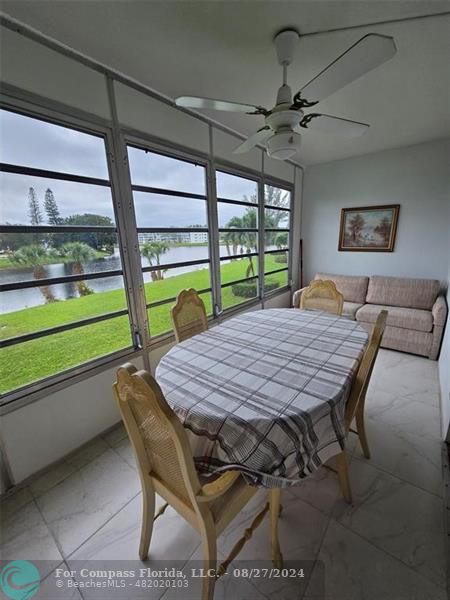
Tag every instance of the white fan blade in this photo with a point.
(209, 103)
(257, 138)
(369, 52)
(333, 125)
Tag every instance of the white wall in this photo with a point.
(416, 177)
(444, 369)
(44, 431)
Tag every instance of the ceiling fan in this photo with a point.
(284, 122)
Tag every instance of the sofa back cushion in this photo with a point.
(400, 291)
(353, 288)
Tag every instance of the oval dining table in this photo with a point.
(264, 392)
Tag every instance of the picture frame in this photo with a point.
(368, 228)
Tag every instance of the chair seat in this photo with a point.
(231, 502)
(404, 318)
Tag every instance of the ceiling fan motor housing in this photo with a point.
(284, 118)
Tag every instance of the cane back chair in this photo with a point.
(354, 408)
(322, 294)
(166, 467)
(188, 315)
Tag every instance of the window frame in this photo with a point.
(145, 143)
(249, 175)
(78, 124)
(282, 185)
(116, 136)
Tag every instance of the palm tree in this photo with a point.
(78, 253)
(245, 240)
(34, 256)
(153, 252)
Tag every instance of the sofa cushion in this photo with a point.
(404, 318)
(349, 309)
(400, 291)
(353, 288)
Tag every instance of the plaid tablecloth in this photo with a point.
(265, 392)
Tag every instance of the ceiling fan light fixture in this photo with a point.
(283, 145)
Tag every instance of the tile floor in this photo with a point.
(389, 544)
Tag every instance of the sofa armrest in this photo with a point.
(439, 311)
(296, 297)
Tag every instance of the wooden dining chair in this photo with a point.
(354, 408)
(166, 467)
(188, 315)
(321, 294)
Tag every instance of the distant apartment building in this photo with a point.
(178, 237)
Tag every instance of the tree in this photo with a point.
(384, 229)
(34, 256)
(244, 240)
(78, 253)
(34, 211)
(356, 225)
(153, 252)
(95, 239)
(51, 208)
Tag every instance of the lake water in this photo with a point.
(19, 299)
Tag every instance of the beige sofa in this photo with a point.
(417, 312)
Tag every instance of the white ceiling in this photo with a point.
(224, 50)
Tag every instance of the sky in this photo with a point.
(29, 142)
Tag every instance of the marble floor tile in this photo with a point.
(87, 453)
(320, 490)
(229, 586)
(301, 529)
(405, 373)
(416, 459)
(125, 450)
(413, 417)
(51, 590)
(398, 518)
(354, 569)
(83, 502)
(118, 540)
(68, 465)
(115, 435)
(13, 502)
(25, 536)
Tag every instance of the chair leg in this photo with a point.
(360, 427)
(344, 480)
(275, 507)
(209, 560)
(148, 511)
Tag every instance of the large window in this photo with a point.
(171, 208)
(63, 300)
(237, 210)
(277, 222)
(67, 303)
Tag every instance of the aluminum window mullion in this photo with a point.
(214, 236)
(172, 229)
(57, 229)
(166, 192)
(31, 283)
(228, 283)
(34, 335)
(261, 232)
(46, 174)
(188, 263)
(126, 222)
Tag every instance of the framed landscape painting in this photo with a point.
(369, 229)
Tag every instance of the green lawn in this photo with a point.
(36, 359)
